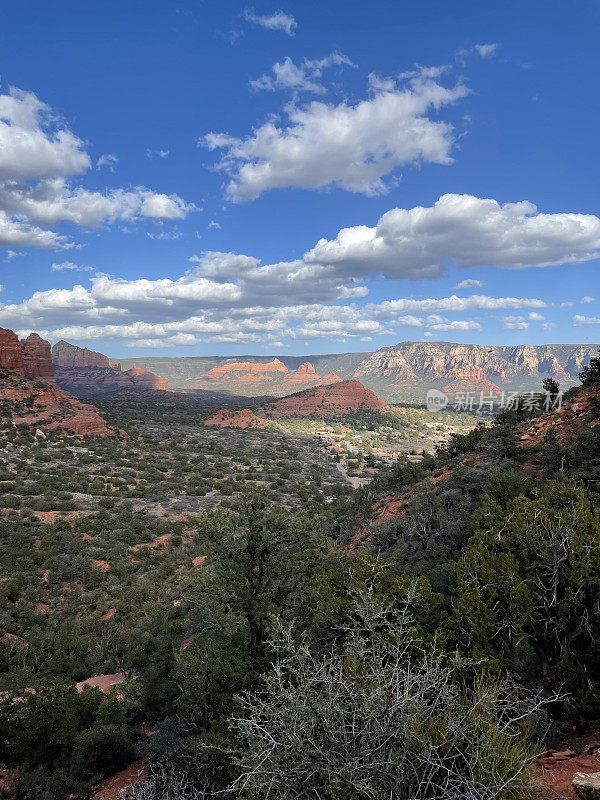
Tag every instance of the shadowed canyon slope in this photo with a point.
(85, 372)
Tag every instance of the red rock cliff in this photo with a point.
(147, 379)
(37, 359)
(11, 355)
(69, 355)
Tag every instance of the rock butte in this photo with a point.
(28, 387)
(249, 373)
(342, 397)
(327, 402)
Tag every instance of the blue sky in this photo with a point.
(187, 178)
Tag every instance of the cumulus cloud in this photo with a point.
(353, 147)
(465, 231)
(515, 324)
(227, 294)
(32, 144)
(278, 21)
(15, 233)
(587, 299)
(470, 283)
(39, 157)
(305, 77)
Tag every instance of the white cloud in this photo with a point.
(164, 235)
(187, 339)
(278, 21)
(107, 160)
(587, 299)
(566, 304)
(453, 304)
(49, 202)
(515, 324)
(303, 78)
(32, 143)
(442, 325)
(486, 50)
(482, 50)
(234, 295)
(464, 230)
(470, 283)
(13, 254)
(437, 323)
(38, 158)
(353, 147)
(579, 320)
(547, 326)
(69, 266)
(15, 233)
(214, 225)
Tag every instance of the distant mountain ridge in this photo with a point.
(402, 372)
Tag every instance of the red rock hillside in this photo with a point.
(250, 375)
(29, 395)
(335, 400)
(146, 379)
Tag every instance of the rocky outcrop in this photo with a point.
(29, 395)
(69, 355)
(37, 358)
(307, 375)
(11, 354)
(414, 364)
(44, 407)
(147, 380)
(587, 786)
(241, 372)
(327, 402)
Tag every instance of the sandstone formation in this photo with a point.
(37, 359)
(402, 372)
(462, 366)
(69, 355)
(250, 376)
(336, 400)
(241, 372)
(146, 379)
(29, 395)
(11, 354)
(306, 374)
